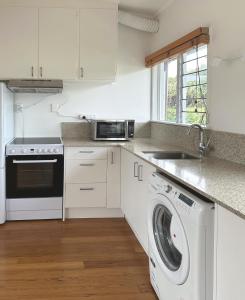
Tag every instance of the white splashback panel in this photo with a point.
(128, 97)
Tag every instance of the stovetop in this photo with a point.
(37, 141)
(35, 146)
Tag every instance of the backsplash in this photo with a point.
(81, 130)
(224, 145)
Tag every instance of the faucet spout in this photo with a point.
(202, 146)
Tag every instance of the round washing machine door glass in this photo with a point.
(170, 255)
(168, 237)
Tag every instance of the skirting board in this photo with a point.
(85, 213)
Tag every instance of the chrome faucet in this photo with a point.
(202, 147)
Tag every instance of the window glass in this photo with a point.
(182, 88)
(172, 94)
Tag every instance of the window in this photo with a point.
(179, 88)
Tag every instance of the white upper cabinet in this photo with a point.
(98, 44)
(19, 42)
(58, 43)
(69, 42)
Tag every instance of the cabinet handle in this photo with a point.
(140, 172)
(82, 72)
(86, 165)
(86, 152)
(32, 71)
(136, 169)
(41, 72)
(112, 157)
(86, 189)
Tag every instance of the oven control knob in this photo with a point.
(12, 151)
(39, 150)
(45, 150)
(56, 150)
(24, 151)
(50, 150)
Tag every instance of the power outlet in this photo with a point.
(55, 107)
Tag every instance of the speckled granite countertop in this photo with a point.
(219, 180)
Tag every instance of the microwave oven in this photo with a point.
(112, 130)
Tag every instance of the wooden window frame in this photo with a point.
(197, 37)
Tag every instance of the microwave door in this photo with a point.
(111, 130)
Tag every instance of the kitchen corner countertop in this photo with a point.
(218, 180)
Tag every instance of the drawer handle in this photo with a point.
(86, 165)
(112, 158)
(140, 173)
(136, 169)
(86, 152)
(86, 189)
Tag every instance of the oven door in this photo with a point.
(114, 130)
(34, 176)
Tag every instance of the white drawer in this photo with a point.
(85, 195)
(85, 171)
(85, 153)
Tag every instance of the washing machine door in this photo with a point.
(169, 241)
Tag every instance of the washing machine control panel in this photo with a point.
(186, 200)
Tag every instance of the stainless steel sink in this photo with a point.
(162, 155)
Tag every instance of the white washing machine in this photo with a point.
(181, 238)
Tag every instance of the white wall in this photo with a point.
(128, 97)
(227, 81)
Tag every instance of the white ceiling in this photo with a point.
(150, 7)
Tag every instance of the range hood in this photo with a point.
(35, 86)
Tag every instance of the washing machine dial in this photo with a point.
(168, 189)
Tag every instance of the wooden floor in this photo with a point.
(96, 259)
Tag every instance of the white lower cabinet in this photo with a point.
(92, 180)
(85, 171)
(229, 256)
(135, 194)
(114, 178)
(86, 195)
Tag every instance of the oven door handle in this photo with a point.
(53, 161)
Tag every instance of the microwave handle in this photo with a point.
(126, 133)
(53, 161)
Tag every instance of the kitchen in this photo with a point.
(158, 216)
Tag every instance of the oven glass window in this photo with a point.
(111, 129)
(35, 176)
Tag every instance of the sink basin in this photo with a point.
(162, 155)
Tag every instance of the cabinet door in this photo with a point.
(98, 44)
(58, 43)
(128, 186)
(229, 256)
(113, 178)
(135, 194)
(19, 42)
(143, 201)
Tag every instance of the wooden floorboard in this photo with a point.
(92, 259)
